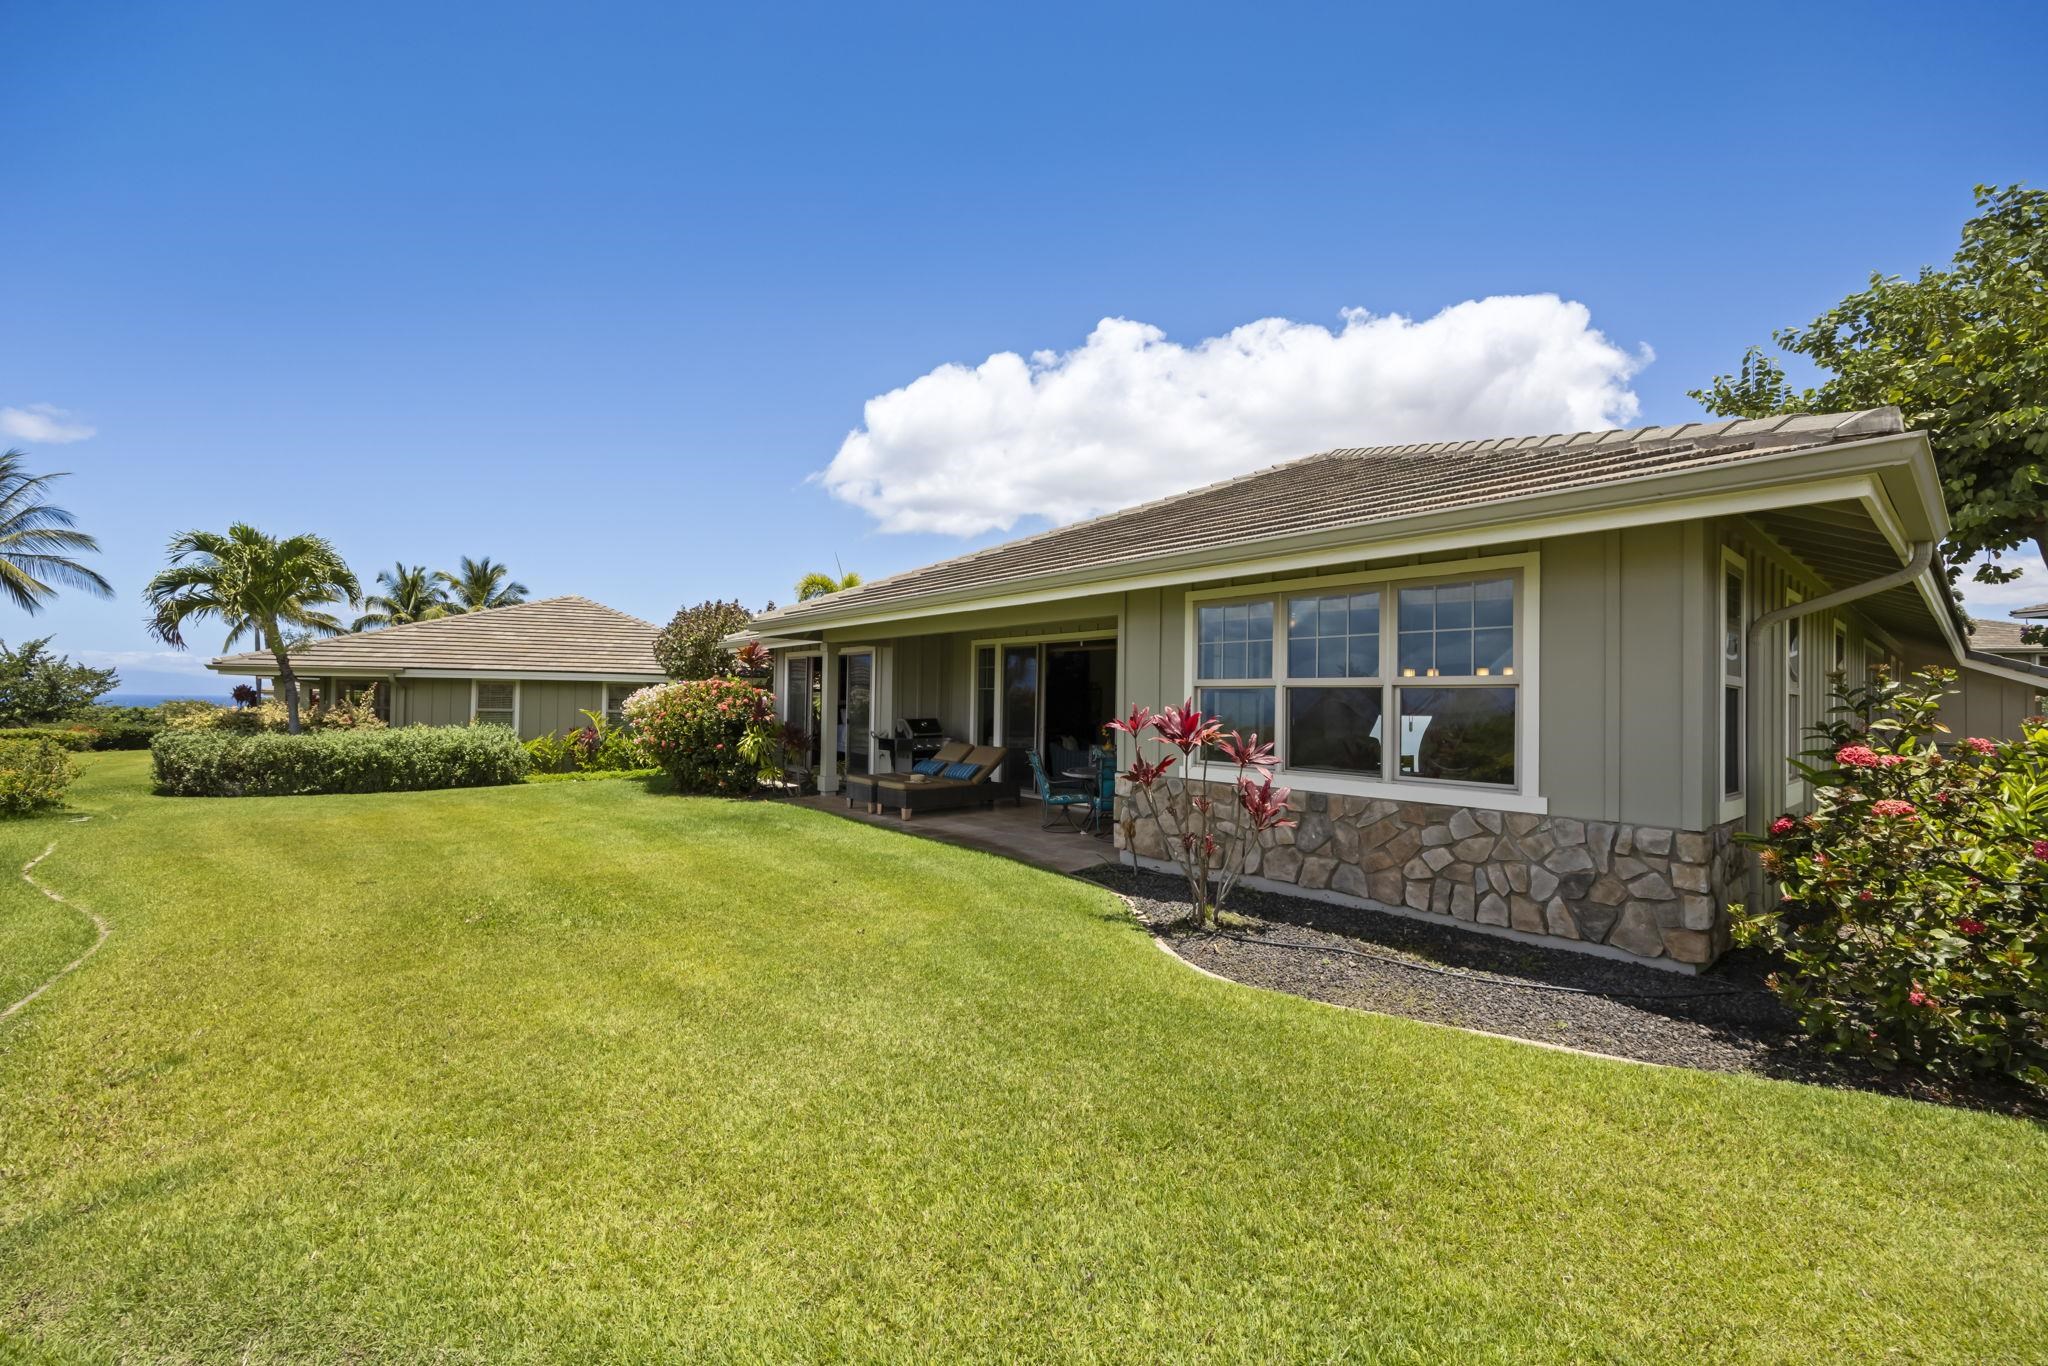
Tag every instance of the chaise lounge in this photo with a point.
(961, 776)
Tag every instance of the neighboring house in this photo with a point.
(2003, 638)
(535, 667)
(1512, 682)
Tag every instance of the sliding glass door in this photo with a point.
(856, 710)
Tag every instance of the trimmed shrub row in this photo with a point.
(212, 763)
(75, 739)
(34, 771)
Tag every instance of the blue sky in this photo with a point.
(600, 292)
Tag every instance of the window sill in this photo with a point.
(1423, 793)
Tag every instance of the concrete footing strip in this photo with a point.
(104, 929)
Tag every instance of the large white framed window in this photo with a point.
(1390, 684)
(493, 703)
(1734, 677)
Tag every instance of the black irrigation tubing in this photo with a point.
(1483, 978)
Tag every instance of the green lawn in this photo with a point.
(573, 1070)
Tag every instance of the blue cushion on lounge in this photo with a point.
(963, 771)
(927, 767)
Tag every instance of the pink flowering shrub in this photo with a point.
(707, 734)
(1207, 839)
(1913, 905)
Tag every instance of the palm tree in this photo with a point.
(34, 539)
(817, 585)
(410, 594)
(481, 584)
(254, 583)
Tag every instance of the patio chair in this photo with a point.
(1102, 802)
(1056, 799)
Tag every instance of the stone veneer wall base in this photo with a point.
(1547, 941)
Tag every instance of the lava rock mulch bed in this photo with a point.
(1719, 1021)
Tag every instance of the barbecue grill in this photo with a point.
(916, 737)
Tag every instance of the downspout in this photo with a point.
(1756, 813)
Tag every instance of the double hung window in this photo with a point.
(1385, 681)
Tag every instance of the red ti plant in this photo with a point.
(1210, 851)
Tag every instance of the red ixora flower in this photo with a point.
(1856, 756)
(1784, 825)
(1918, 997)
(2041, 849)
(1892, 806)
(1978, 744)
(1970, 924)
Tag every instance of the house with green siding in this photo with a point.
(535, 667)
(1533, 685)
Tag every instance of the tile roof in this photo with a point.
(552, 635)
(2000, 635)
(1352, 486)
(2039, 609)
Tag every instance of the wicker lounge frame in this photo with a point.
(908, 795)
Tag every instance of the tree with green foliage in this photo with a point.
(38, 540)
(277, 589)
(38, 687)
(817, 584)
(691, 645)
(479, 585)
(409, 593)
(1963, 353)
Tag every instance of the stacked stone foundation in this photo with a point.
(1648, 890)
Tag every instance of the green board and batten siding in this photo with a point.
(1629, 636)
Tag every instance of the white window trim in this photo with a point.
(784, 698)
(1527, 793)
(974, 648)
(1731, 805)
(473, 685)
(1795, 701)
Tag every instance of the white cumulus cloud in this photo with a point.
(1995, 601)
(1130, 415)
(43, 423)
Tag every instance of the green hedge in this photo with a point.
(34, 771)
(64, 737)
(212, 763)
(90, 734)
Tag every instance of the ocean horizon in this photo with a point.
(154, 699)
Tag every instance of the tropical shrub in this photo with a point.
(117, 727)
(1207, 841)
(189, 714)
(1913, 909)
(38, 687)
(76, 739)
(710, 735)
(350, 711)
(34, 771)
(223, 763)
(692, 644)
(596, 747)
(550, 754)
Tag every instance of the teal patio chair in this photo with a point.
(1056, 800)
